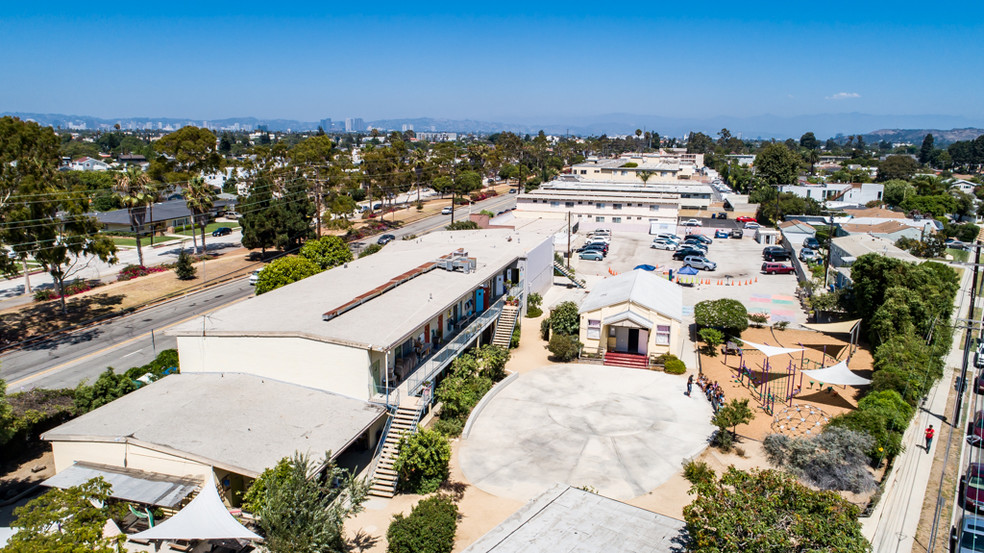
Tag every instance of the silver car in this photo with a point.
(699, 262)
(663, 245)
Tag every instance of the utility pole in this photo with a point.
(830, 246)
(568, 240)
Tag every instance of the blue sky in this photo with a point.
(506, 61)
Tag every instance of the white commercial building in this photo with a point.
(382, 327)
(838, 195)
(629, 207)
(666, 166)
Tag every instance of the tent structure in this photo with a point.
(771, 351)
(644, 267)
(687, 270)
(204, 518)
(840, 327)
(837, 374)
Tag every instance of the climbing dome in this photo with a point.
(800, 420)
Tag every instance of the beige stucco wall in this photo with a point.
(676, 328)
(126, 455)
(336, 368)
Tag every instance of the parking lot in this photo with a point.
(737, 276)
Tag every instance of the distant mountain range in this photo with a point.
(760, 126)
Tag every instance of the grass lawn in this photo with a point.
(124, 241)
(208, 229)
(959, 255)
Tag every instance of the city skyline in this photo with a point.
(507, 62)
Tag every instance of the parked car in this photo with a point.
(972, 487)
(385, 239)
(975, 429)
(699, 238)
(979, 359)
(970, 536)
(775, 253)
(663, 245)
(512, 190)
(603, 248)
(606, 231)
(668, 236)
(684, 253)
(737, 233)
(599, 238)
(719, 215)
(592, 255)
(745, 219)
(771, 268)
(254, 277)
(752, 225)
(693, 244)
(699, 262)
(221, 231)
(955, 244)
(811, 243)
(720, 233)
(691, 223)
(806, 254)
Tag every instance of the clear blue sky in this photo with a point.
(506, 61)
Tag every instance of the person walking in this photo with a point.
(929, 437)
(690, 385)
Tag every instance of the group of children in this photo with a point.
(712, 390)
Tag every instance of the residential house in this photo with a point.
(890, 230)
(838, 195)
(162, 216)
(795, 231)
(88, 164)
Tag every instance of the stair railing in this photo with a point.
(378, 454)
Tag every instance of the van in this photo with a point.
(771, 268)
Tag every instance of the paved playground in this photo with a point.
(621, 431)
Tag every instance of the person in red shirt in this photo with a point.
(929, 437)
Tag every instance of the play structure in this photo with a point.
(800, 420)
(770, 383)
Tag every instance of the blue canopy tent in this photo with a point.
(645, 267)
(687, 270)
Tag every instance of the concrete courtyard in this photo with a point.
(623, 432)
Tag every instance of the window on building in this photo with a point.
(594, 329)
(568, 204)
(600, 205)
(616, 206)
(554, 204)
(654, 207)
(599, 219)
(616, 219)
(662, 335)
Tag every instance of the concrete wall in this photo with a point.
(538, 272)
(126, 456)
(340, 369)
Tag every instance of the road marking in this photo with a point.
(132, 353)
(115, 346)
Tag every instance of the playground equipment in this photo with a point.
(800, 420)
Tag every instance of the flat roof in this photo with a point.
(857, 245)
(568, 519)
(150, 488)
(239, 422)
(381, 322)
(680, 186)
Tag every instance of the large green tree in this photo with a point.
(897, 167)
(193, 152)
(303, 509)
(257, 216)
(284, 271)
(776, 164)
(200, 198)
(132, 185)
(6, 416)
(327, 252)
(65, 521)
(768, 512)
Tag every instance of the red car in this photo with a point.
(770, 268)
(975, 430)
(745, 219)
(972, 487)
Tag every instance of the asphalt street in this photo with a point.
(135, 339)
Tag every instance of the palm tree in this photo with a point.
(132, 186)
(200, 197)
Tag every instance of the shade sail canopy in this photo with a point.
(628, 318)
(149, 488)
(770, 351)
(205, 518)
(687, 270)
(840, 327)
(837, 374)
(645, 267)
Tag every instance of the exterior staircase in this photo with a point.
(404, 422)
(505, 326)
(628, 360)
(559, 267)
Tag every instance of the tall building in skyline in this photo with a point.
(355, 124)
(326, 124)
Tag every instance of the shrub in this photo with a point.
(712, 338)
(533, 303)
(563, 347)
(492, 361)
(429, 528)
(674, 366)
(462, 389)
(422, 461)
(449, 427)
(545, 328)
(284, 271)
(462, 225)
(369, 250)
(726, 314)
(835, 459)
(183, 268)
(730, 415)
(781, 325)
(698, 472)
(326, 252)
(514, 339)
(133, 271)
(564, 319)
(758, 319)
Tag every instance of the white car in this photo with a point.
(667, 236)
(663, 245)
(254, 277)
(599, 238)
(691, 223)
(446, 211)
(752, 225)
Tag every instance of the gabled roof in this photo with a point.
(875, 212)
(638, 287)
(797, 226)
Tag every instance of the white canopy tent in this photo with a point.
(771, 351)
(837, 374)
(205, 518)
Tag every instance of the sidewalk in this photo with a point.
(893, 522)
